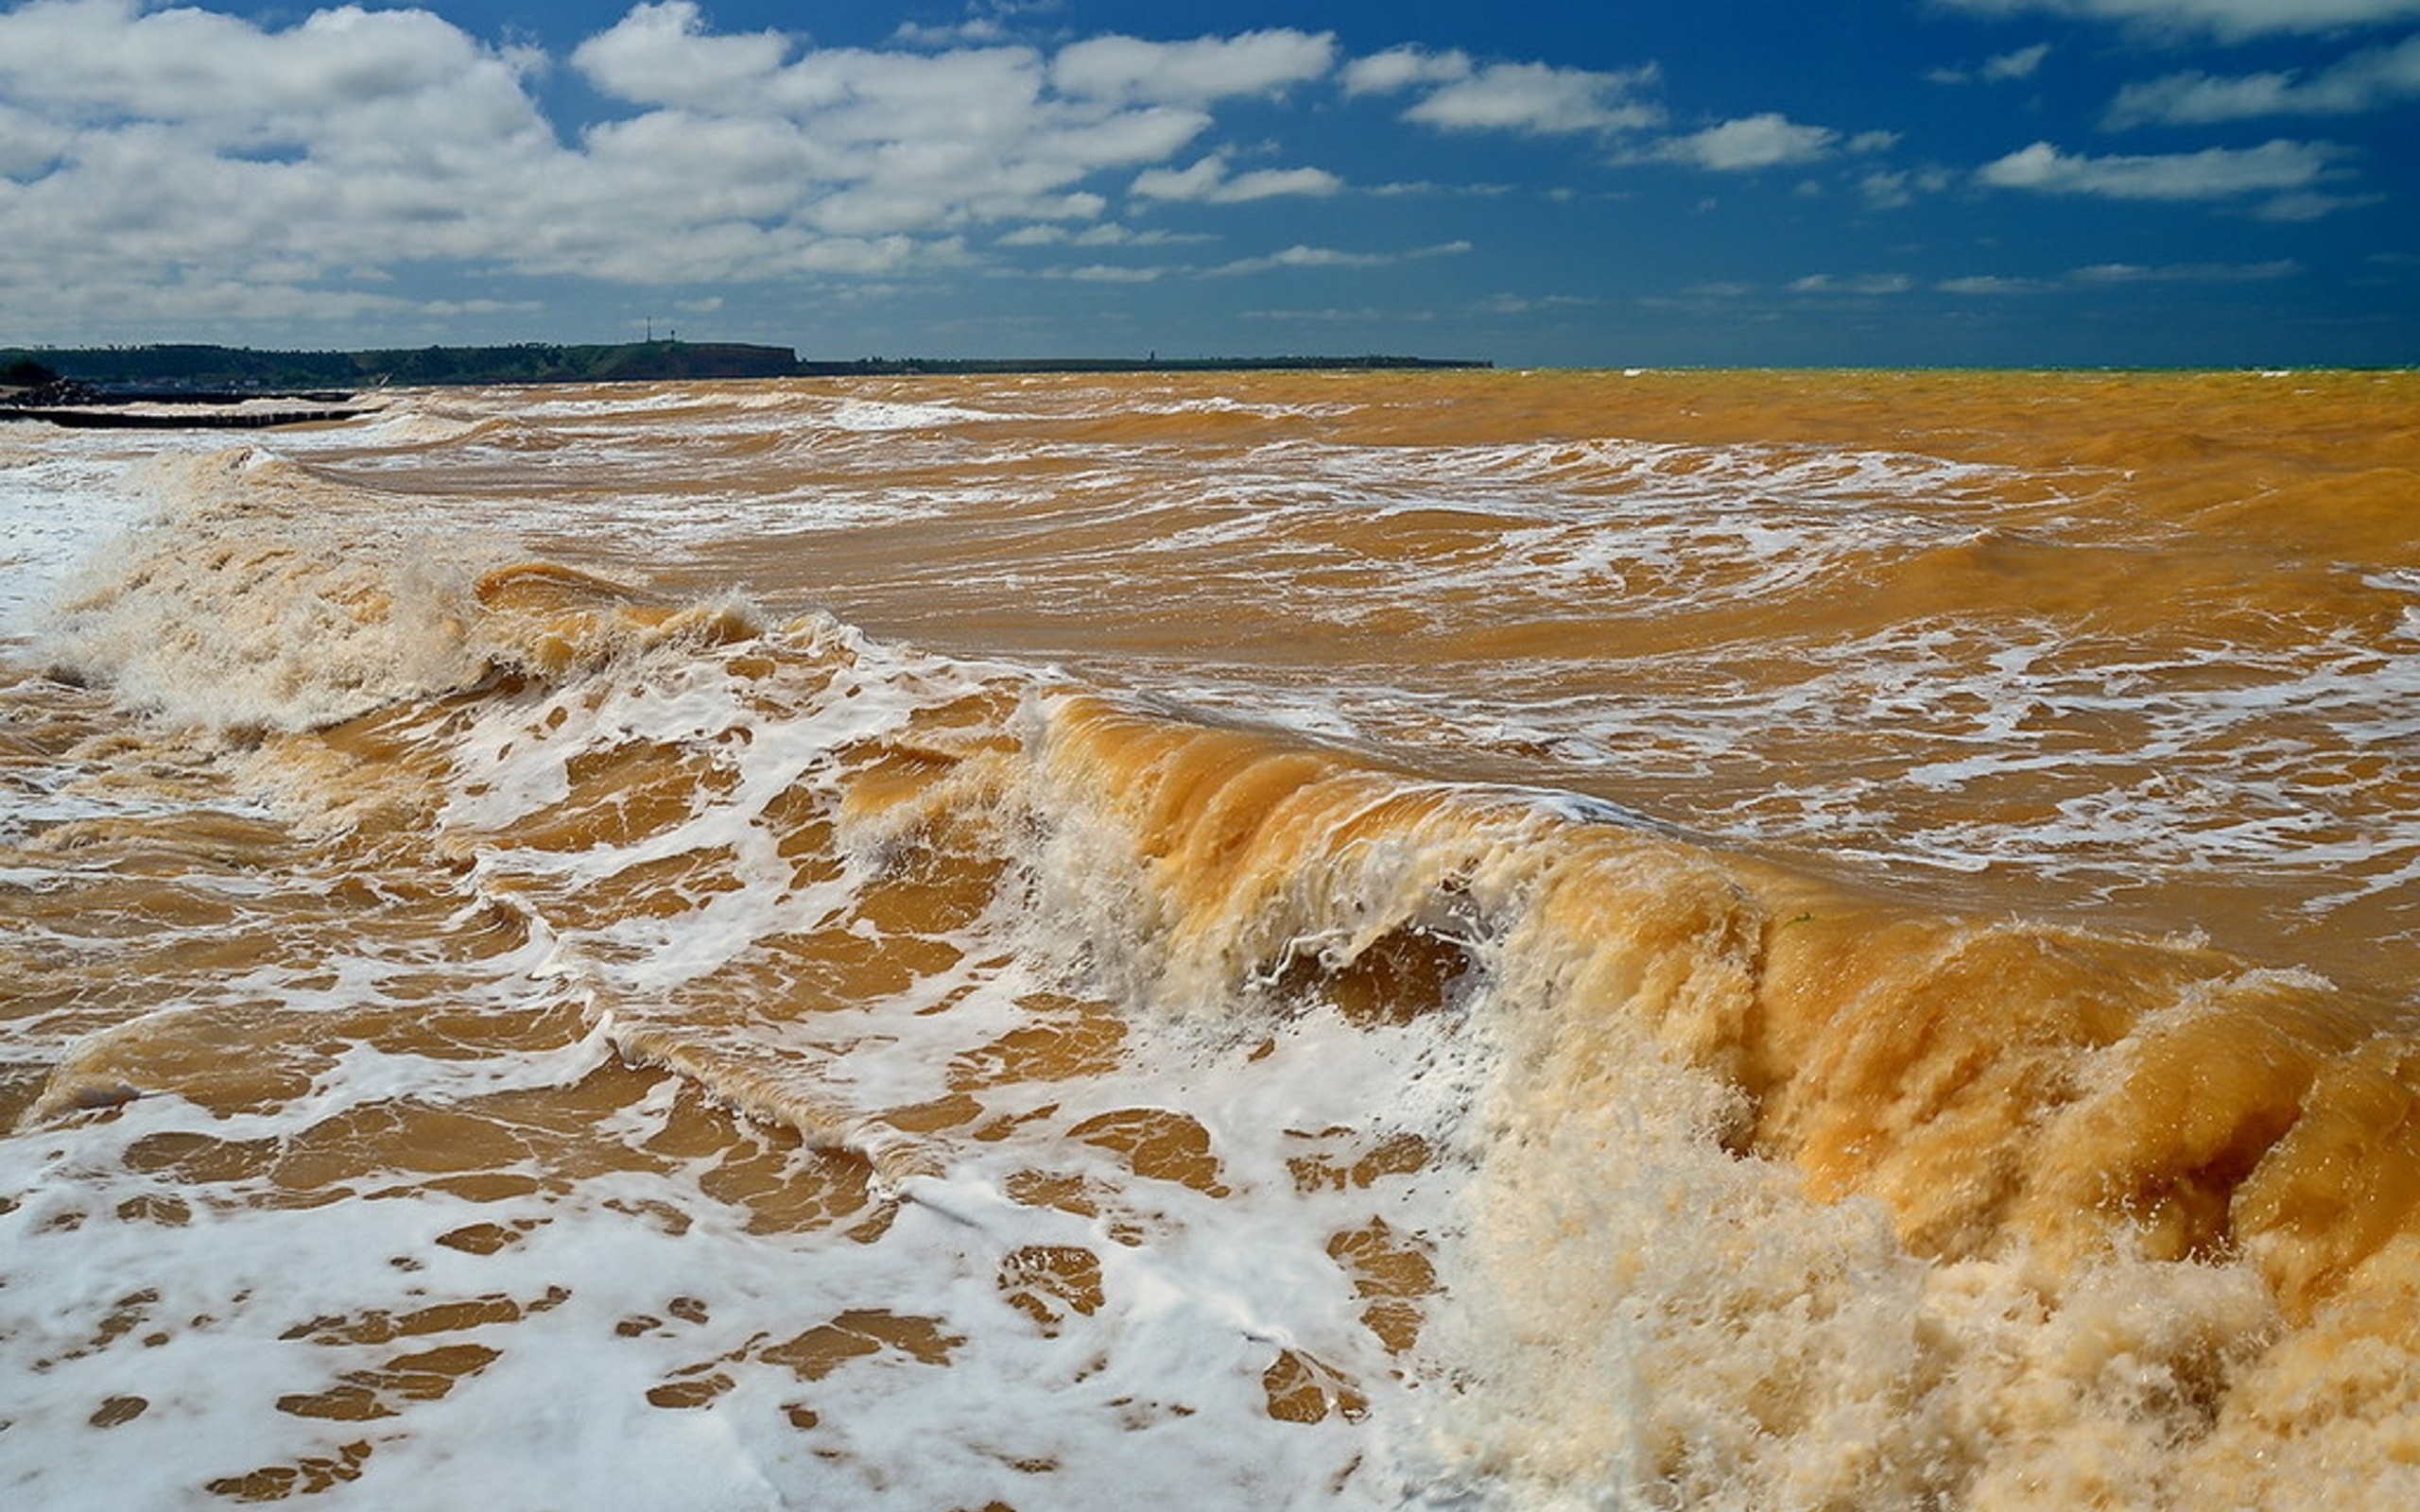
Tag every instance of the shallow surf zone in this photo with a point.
(555, 1042)
(636, 1074)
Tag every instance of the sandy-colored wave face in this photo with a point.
(1502, 939)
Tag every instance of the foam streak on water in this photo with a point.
(1491, 940)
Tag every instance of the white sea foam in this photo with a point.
(221, 1310)
(56, 507)
(230, 1310)
(208, 617)
(1609, 520)
(892, 415)
(178, 1328)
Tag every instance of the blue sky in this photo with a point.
(2227, 182)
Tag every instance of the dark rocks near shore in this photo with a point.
(82, 406)
(53, 393)
(197, 387)
(167, 370)
(32, 390)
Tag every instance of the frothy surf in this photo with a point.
(490, 1024)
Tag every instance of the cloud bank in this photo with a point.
(163, 166)
(181, 153)
(177, 156)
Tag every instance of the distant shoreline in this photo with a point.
(883, 367)
(166, 371)
(186, 387)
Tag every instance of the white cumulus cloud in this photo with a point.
(1400, 68)
(1128, 69)
(343, 81)
(1300, 256)
(1866, 284)
(2019, 64)
(1209, 183)
(2214, 173)
(2229, 19)
(1764, 141)
(1541, 99)
(185, 153)
(2105, 273)
(663, 55)
(2370, 79)
(2022, 63)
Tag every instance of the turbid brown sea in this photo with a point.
(1479, 940)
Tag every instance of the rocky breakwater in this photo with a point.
(67, 401)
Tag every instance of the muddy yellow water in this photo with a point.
(1495, 938)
